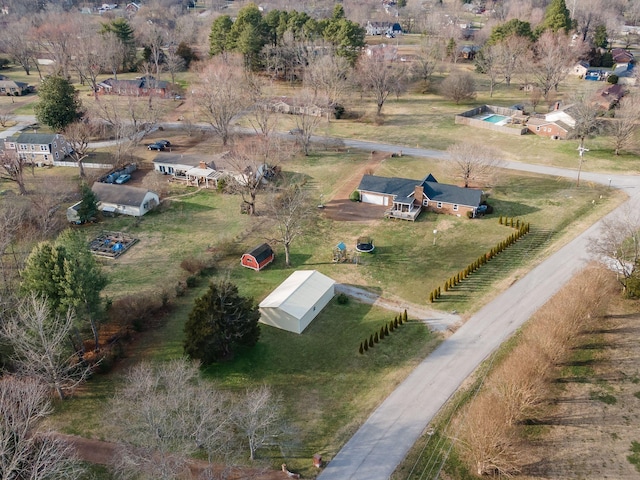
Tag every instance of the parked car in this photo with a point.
(165, 143)
(155, 146)
(124, 178)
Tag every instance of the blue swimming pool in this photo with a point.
(495, 118)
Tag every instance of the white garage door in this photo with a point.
(372, 198)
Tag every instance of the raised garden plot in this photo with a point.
(112, 244)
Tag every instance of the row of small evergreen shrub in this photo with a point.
(523, 229)
(385, 331)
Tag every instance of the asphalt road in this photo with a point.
(384, 440)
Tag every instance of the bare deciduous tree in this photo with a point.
(78, 134)
(289, 206)
(166, 413)
(486, 438)
(222, 94)
(380, 77)
(114, 52)
(258, 415)
(458, 86)
(12, 215)
(12, 167)
(15, 42)
(306, 120)
(46, 199)
(5, 116)
(426, 60)
(554, 55)
(618, 244)
(39, 340)
(489, 61)
(624, 126)
(328, 78)
(26, 452)
(248, 159)
(472, 162)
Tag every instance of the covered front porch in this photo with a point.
(404, 209)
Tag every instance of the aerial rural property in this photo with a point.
(367, 240)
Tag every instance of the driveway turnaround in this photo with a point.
(384, 440)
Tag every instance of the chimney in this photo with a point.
(203, 165)
(418, 192)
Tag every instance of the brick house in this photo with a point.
(408, 197)
(139, 87)
(546, 128)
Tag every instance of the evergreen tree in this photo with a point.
(67, 274)
(386, 330)
(220, 36)
(248, 34)
(59, 104)
(512, 27)
(88, 209)
(556, 17)
(221, 321)
(361, 349)
(375, 338)
(381, 333)
(404, 316)
(187, 54)
(371, 341)
(123, 30)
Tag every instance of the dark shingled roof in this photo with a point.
(434, 191)
(36, 138)
(261, 252)
(119, 194)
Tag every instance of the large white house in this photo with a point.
(124, 199)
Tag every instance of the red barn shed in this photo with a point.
(258, 258)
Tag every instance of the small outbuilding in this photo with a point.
(258, 258)
(297, 301)
(124, 200)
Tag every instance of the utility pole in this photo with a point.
(581, 150)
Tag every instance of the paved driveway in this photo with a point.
(383, 441)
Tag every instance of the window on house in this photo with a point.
(46, 158)
(439, 204)
(23, 147)
(425, 202)
(33, 147)
(57, 155)
(455, 207)
(537, 129)
(55, 145)
(43, 148)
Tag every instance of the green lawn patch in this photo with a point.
(634, 458)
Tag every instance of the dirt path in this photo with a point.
(439, 321)
(104, 453)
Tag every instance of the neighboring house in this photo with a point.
(39, 148)
(297, 301)
(580, 69)
(142, 86)
(563, 114)
(620, 55)
(124, 199)
(608, 97)
(294, 107)
(408, 197)
(10, 87)
(545, 128)
(468, 52)
(132, 8)
(383, 28)
(382, 51)
(258, 258)
(192, 169)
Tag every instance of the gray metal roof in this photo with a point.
(434, 191)
(179, 159)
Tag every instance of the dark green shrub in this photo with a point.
(431, 297)
(355, 196)
(371, 341)
(381, 333)
(469, 214)
(395, 322)
(386, 330)
(192, 281)
(361, 349)
(612, 79)
(366, 346)
(500, 220)
(376, 339)
(404, 316)
(181, 288)
(342, 299)
(391, 327)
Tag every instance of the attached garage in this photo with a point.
(297, 301)
(373, 198)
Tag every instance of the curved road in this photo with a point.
(384, 440)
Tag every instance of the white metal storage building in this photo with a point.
(297, 301)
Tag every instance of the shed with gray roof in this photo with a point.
(124, 199)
